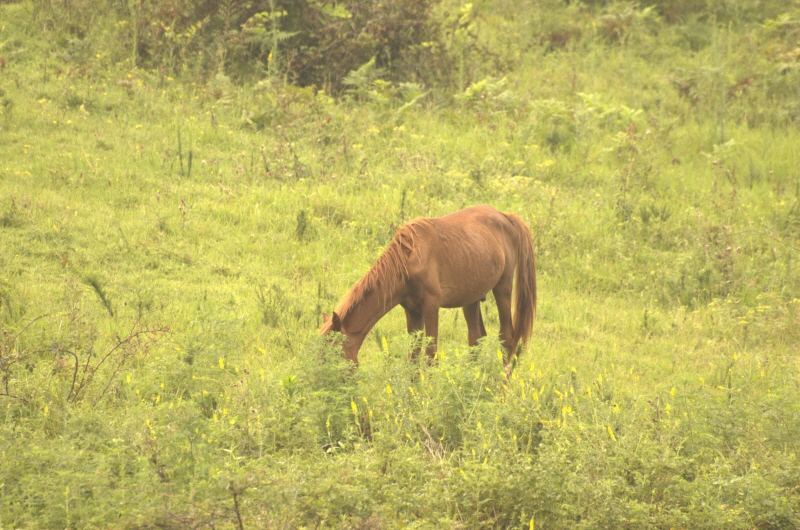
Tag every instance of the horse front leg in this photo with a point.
(431, 318)
(475, 327)
(414, 323)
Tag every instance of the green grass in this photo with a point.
(159, 364)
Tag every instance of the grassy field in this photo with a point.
(167, 247)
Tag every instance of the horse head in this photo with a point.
(333, 324)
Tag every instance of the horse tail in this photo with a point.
(525, 290)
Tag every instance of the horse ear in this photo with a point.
(337, 322)
(325, 318)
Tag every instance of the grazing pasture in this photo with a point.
(173, 223)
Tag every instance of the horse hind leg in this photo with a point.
(475, 327)
(502, 295)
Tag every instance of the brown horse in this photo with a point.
(450, 261)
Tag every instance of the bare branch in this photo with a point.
(151, 333)
(74, 376)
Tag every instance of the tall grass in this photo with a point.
(654, 159)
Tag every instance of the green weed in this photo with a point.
(176, 212)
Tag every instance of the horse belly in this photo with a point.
(469, 281)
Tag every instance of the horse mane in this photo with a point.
(390, 269)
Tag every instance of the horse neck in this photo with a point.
(362, 317)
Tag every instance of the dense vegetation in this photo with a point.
(185, 186)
